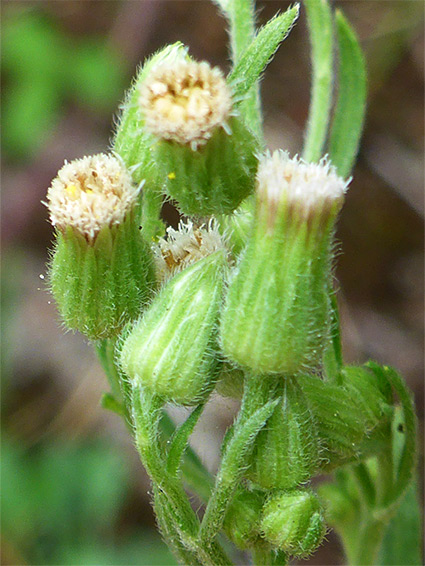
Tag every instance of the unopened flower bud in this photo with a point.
(286, 451)
(371, 392)
(242, 521)
(205, 154)
(294, 522)
(341, 418)
(101, 271)
(171, 349)
(276, 315)
(132, 141)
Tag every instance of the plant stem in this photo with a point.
(367, 543)
(146, 417)
(252, 417)
(241, 16)
(105, 350)
(319, 19)
(169, 532)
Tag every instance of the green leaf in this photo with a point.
(259, 53)
(109, 403)
(349, 115)
(195, 475)
(97, 76)
(30, 110)
(180, 438)
(402, 541)
(405, 456)
(319, 19)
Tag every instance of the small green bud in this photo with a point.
(294, 522)
(286, 451)
(371, 394)
(171, 349)
(342, 423)
(276, 314)
(205, 154)
(101, 272)
(242, 521)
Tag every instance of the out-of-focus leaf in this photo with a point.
(402, 542)
(29, 112)
(97, 78)
(43, 67)
(32, 46)
(350, 109)
(60, 498)
(139, 550)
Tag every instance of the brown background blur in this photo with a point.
(65, 67)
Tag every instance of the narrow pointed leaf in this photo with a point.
(348, 120)
(241, 17)
(109, 403)
(231, 470)
(259, 53)
(180, 439)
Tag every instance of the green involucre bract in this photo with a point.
(171, 349)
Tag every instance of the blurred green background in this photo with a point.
(73, 489)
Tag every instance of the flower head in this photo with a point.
(311, 188)
(185, 246)
(90, 193)
(185, 101)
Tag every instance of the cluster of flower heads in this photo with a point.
(183, 103)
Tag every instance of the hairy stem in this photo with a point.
(319, 19)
